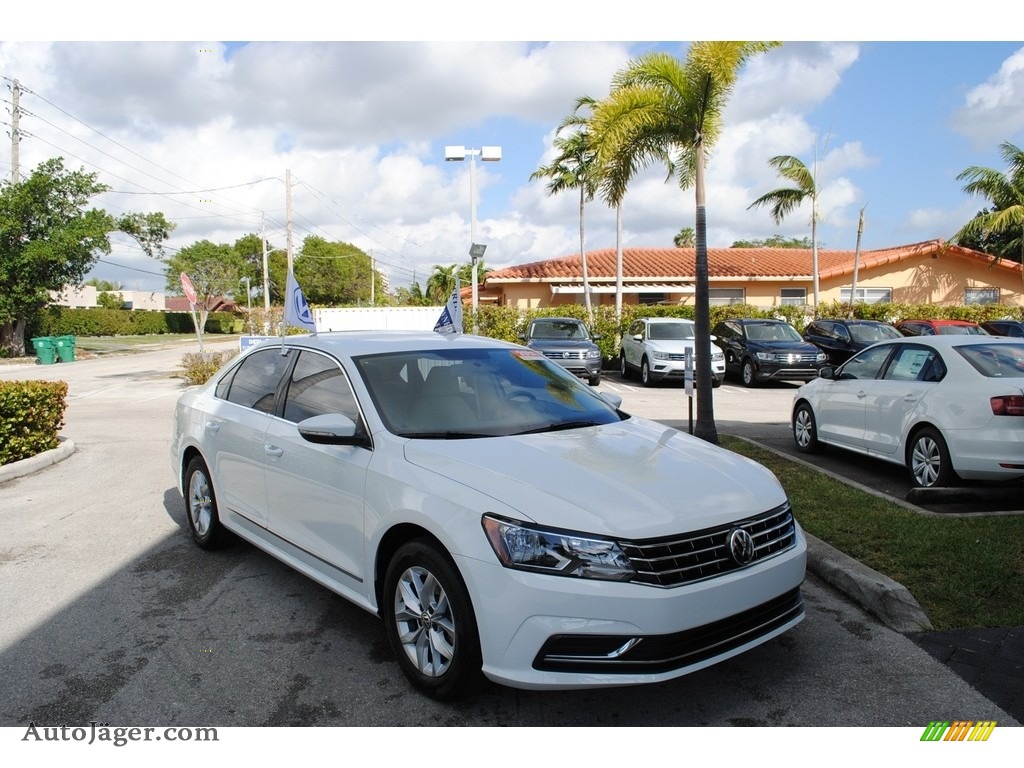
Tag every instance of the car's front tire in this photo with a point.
(645, 373)
(623, 366)
(201, 507)
(748, 374)
(928, 460)
(595, 379)
(429, 621)
(805, 429)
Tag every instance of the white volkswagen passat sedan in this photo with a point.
(500, 515)
(946, 407)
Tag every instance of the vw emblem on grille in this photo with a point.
(741, 546)
(565, 355)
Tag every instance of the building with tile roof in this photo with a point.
(932, 272)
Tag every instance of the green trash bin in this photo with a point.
(46, 350)
(65, 348)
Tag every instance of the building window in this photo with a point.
(793, 297)
(651, 298)
(981, 296)
(724, 296)
(868, 295)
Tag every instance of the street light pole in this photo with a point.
(487, 154)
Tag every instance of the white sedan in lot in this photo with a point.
(501, 516)
(946, 407)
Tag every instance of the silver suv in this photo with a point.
(566, 341)
(656, 347)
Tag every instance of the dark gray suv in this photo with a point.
(568, 342)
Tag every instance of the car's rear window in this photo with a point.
(996, 361)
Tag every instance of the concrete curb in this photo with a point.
(38, 462)
(889, 601)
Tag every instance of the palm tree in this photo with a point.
(441, 282)
(785, 200)
(685, 239)
(1002, 227)
(574, 168)
(664, 110)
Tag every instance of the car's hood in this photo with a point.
(634, 478)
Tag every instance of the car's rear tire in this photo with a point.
(748, 374)
(201, 507)
(805, 429)
(645, 373)
(429, 621)
(928, 460)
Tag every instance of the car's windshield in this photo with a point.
(453, 393)
(669, 331)
(772, 332)
(559, 329)
(868, 334)
(996, 361)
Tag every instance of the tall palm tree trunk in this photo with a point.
(705, 427)
(583, 263)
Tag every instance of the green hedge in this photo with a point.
(64, 321)
(31, 415)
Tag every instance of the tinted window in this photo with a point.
(866, 365)
(318, 386)
(911, 363)
(995, 360)
(670, 331)
(257, 378)
(869, 334)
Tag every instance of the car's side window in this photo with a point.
(318, 386)
(255, 383)
(866, 365)
(910, 364)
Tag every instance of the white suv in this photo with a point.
(656, 347)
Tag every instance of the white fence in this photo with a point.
(377, 318)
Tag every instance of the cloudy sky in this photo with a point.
(205, 131)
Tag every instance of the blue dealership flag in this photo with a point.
(451, 316)
(296, 308)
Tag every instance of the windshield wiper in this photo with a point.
(560, 426)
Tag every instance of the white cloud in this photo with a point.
(994, 110)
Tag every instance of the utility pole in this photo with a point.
(288, 209)
(266, 271)
(15, 115)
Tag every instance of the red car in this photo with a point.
(940, 328)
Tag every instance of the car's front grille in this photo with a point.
(671, 561)
(790, 358)
(567, 355)
(611, 654)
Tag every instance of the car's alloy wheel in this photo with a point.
(201, 507)
(805, 430)
(747, 374)
(930, 465)
(623, 366)
(430, 622)
(645, 373)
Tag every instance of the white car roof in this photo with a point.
(355, 343)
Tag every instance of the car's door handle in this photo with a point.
(910, 398)
(212, 426)
(861, 395)
(273, 450)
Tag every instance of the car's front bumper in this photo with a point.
(673, 369)
(775, 372)
(551, 632)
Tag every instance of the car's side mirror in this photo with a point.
(638, 337)
(331, 429)
(615, 401)
(827, 372)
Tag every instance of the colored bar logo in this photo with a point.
(958, 730)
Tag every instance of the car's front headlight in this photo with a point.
(717, 357)
(563, 553)
(766, 356)
(594, 354)
(821, 357)
(657, 355)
